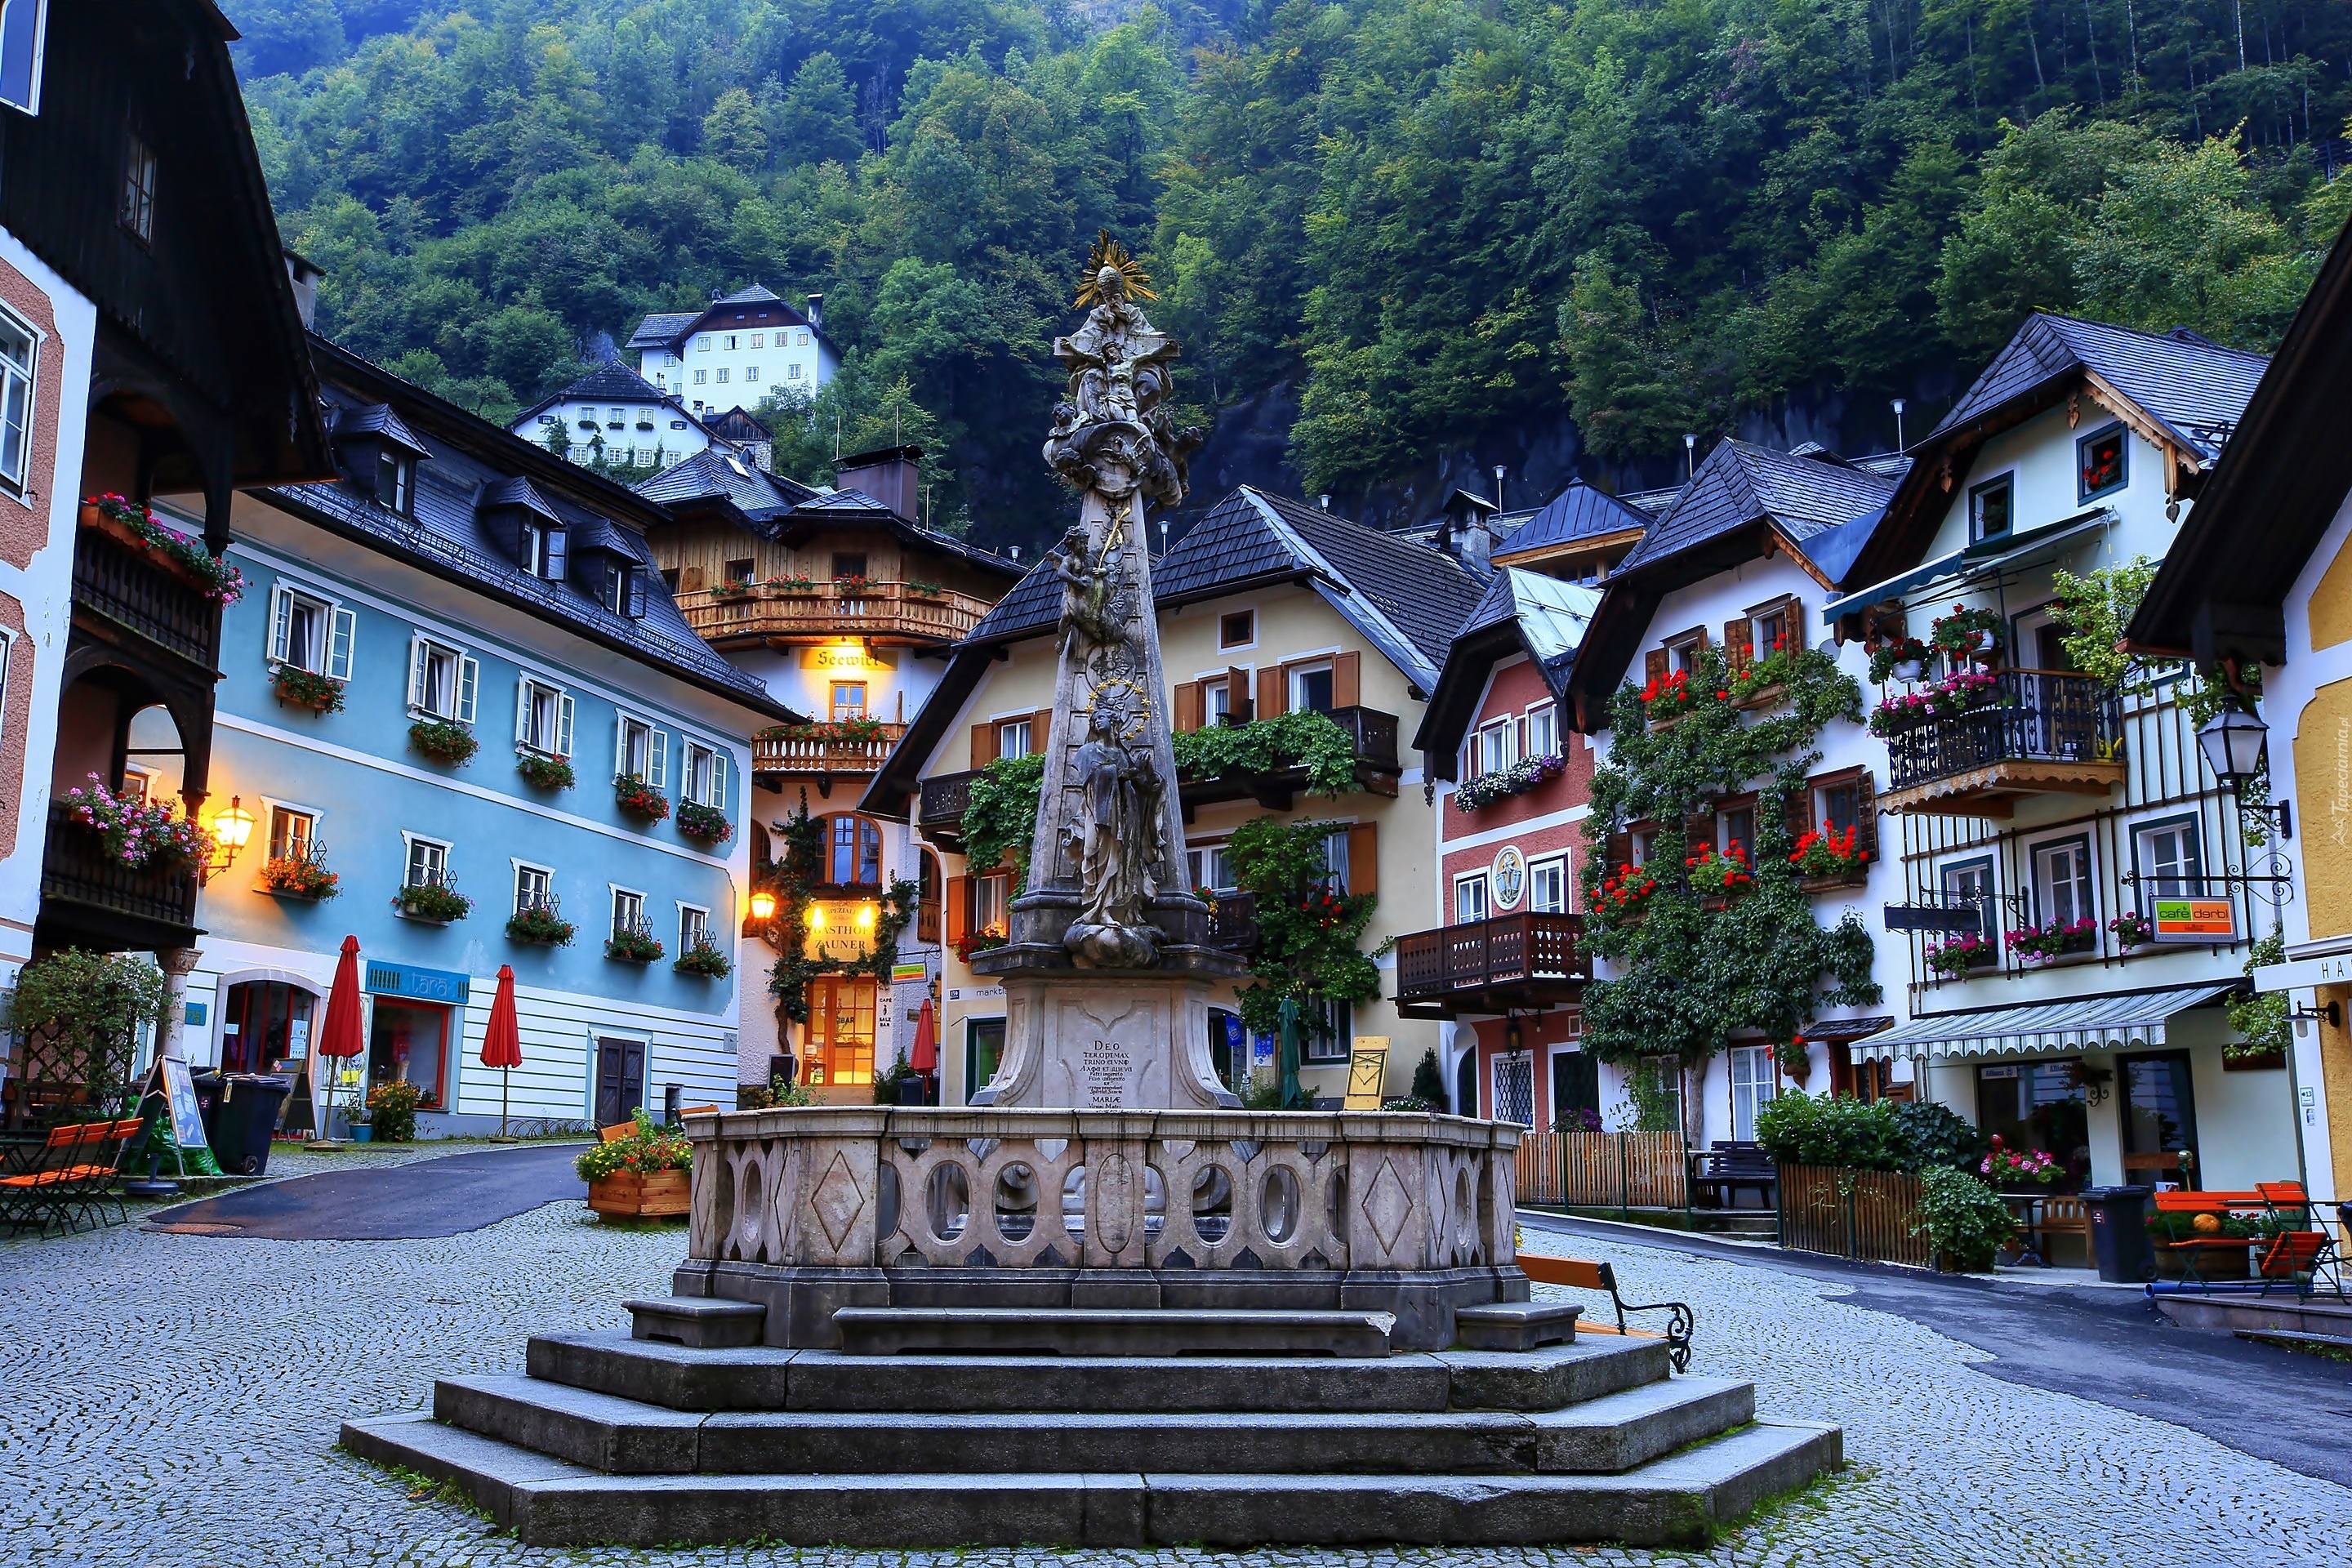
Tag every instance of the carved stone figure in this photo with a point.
(1119, 838)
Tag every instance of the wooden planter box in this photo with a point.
(665, 1194)
(2212, 1262)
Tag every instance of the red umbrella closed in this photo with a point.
(925, 1057)
(503, 1040)
(342, 1035)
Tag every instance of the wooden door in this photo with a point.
(620, 1081)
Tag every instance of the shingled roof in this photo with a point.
(715, 474)
(1578, 513)
(2193, 388)
(1741, 483)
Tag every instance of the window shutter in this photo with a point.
(657, 760)
(1739, 643)
(563, 725)
(469, 681)
(1654, 663)
(1795, 621)
(555, 542)
(984, 744)
(523, 711)
(417, 655)
(1799, 813)
(719, 779)
(1865, 815)
(634, 597)
(958, 907)
(1041, 728)
(1185, 707)
(1271, 697)
(339, 645)
(1347, 679)
(1364, 858)
(1237, 695)
(281, 621)
(620, 744)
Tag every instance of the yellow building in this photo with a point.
(1266, 606)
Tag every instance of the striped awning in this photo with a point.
(2077, 1024)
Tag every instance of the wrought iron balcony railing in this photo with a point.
(2032, 731)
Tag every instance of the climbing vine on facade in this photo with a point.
(790, 878)
(1692, 965)
(1310, 933)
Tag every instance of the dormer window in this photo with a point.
(2103, 462)
(137, 214)
(396, 480)
(621, 591)
(541, 552)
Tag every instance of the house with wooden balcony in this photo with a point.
(1267, 607)
(2077, 893)
(845, 607)
(151, 350)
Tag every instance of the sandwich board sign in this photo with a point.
(1368, 1066)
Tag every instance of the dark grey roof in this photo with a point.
(662, 328)
(754, 295)
(1741, 483)
(2195, 388)
(1832, 551)
(612, 381)
(1579, 512)
(1408, 599)
(715, 474)
(378, 419)
(1649, 503)
(448, 536)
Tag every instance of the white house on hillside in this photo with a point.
(614, 413)
(744, 347)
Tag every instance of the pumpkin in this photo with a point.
(2206, 1224)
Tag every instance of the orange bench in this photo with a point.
(1575, 1274)
(72, 1177)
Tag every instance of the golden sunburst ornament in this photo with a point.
(1110, 255)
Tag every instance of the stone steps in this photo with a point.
(674, 1378)
(1611, 1433)
(1678, 1499)
(1110, 1331)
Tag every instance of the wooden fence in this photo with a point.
(1852, 1213)
(1604, 1170)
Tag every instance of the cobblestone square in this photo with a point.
(174, 1400)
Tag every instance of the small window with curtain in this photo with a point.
(629, 913)
(1012, 738)
(534, 889)
(442, 680)
(703, 778)
(310, 633)
(428, 863)
(543, 718)
(693, 928)
(1494, 746)
(1543, 731)
(1547, 887)
(1469, 899)
(1210, 867)
(992, 904)
(2062, 882)
(291, 832)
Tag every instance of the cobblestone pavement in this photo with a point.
(172, 1400)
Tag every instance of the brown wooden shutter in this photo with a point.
(1739, 643)
(1041, 728)
(984, 744)
(1271, 693)
(1185, 708)
(1794, 620)
(1654, 663)
(1238, 701)
(959, 909)
(1618, 850)
(1364, 858)
(1865, 814)
(1347, 679)
(1799, 815)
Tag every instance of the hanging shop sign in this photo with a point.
(2195, 919)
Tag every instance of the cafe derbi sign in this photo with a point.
(2195, 920)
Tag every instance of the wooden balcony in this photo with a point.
(781, 756)
(884, 614)
(122, 587)
(940, 815)
(91, 898)
(1232, 925)
(1373, 734)
(1511, 963)
(2042, 732)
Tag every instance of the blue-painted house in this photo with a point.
(450, 674)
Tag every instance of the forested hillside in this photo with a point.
(1442, 224)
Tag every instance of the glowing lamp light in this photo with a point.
(232, 831)
(764, 905)
(816, 917)
(866, 917)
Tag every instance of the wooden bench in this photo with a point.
(615, 1133)
(1575, 1274)
(2059, 1216)
(73, 1178)
(1727, 1165)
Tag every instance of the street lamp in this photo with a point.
(2233, 741)
(764, 905)
(232, 831)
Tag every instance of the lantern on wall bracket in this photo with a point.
(2234, 742)
(232, 831)
(761, 909)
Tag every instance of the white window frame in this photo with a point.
(1209, 866)
(1473, 900)
(465, 678)
(2045, 903)
(339, 631)
(701, 378)
(525, 687)
(1554, 869)
(1009, 730)
(409, 844)
(524, 870)
(1216, 701)
(722, 375)
(702, 915)
(709, 790)
(1298, 674)
(992, 903)
(656, 771)
(1493, 740)
(1543, 717)
(270, 812)
(616, 893)
(2153, 884)
(1755, 1081)
(19, 386)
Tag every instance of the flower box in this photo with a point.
(298, 688)
(1521, 777)
(432, 903)
(443, 740)
(638, 798)
(2046, 944)
(633, 947)
(303, 876)
(663, 1194)
(705, 959)
(1763, 695)
(139, 835)
(544, 772)
(174, 553)
(707, 823)
(540, 927)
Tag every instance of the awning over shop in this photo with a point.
(2078, 1024)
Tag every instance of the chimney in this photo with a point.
(815, 311)
(892, 475)
(1468, 533)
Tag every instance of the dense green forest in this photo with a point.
(1439, 220)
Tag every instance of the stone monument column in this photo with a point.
(1107, 973)
(171, 1035)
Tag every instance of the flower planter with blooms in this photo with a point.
(218, 581)
(544, 773)
(634, 795)
(978, 941)
(1966, 633)
(139, 835)
(853, 583)
(2132, 930)
(300, 687)
(540, 927)
(1620, 895)
(392, 1110)
(1955, 958)
(642, 1176)
(2018, 1169)
(734, 588)
(1904, 659)
(634, 947)
(853, 731)
(1760, 679)
(793, 584)
(1794, 1061)
(707, 823)
(1963, 691)
(1668, 697)
(1826, 852)
(1719, 873)
(1503, 782)
(922, 590)
(299, 876)
(443, 740)
(2041, 944)
(706, 959)
(431, 901)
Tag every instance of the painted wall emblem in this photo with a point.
(1509, 877)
